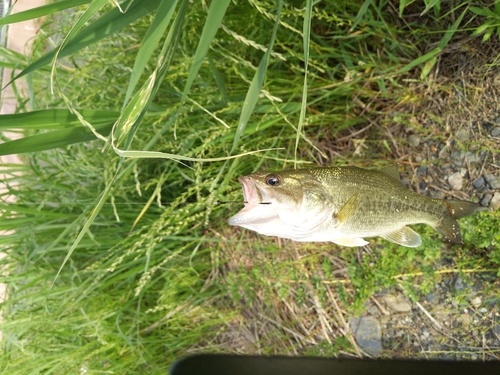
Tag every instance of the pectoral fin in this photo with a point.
(348, 210)
(350, 242)
(404, 237)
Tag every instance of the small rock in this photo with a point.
(492, 180)
(487, 125)
(368, 334)
(397, 303)
(460, 285)
(421, 171)
(414, 140)
(456, 181)
(495, 201)
(476, 301)
(373, 310)
(462, 135)
(495, 132)
(483, 190)
(471, 157)
(485, 202)
(478, 182)
(431, 297)
(458, 158)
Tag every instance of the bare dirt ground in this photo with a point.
(447, 142)
(454, 152)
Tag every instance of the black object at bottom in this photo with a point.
(252, 365)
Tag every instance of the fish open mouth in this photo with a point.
(253, 194)
(258, 208)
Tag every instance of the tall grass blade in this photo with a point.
(128, 123)
(66, 126)
(54, 139)
(94, 7)
(429, 57)
(431, 4)
(41, 11)
(359, 16)
(256, 85)
(451, 31)
(11, 59)
(104, 196)
(107, 25)
(214, 19)
(155, 31)
(219, 80)
(54, 119)
(306, 42)
(179, 158)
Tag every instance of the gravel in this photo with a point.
(421, 171)
(478, 182)
(495, 201)
(459, 316)
(368, 334)
(456, 181)
(414, 140)
(462, 135)
(397, 303)
(485, 201)
(492, 180)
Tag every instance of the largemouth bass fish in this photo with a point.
(343, 205)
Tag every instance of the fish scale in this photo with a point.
(382, 203)
(343, 205)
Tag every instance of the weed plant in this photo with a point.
(117, 258)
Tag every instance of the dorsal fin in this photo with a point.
(392, 171)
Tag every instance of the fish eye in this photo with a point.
(273, 180)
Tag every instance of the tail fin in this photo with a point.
(454, 210)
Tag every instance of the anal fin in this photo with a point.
(404, 237)
(351, 242)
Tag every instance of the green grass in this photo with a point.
(120, 262)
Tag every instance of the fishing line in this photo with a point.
(218, 203)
